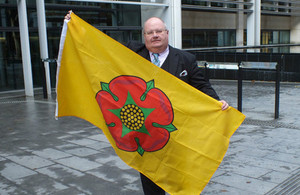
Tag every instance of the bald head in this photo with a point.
(156, 35)
(150, 20)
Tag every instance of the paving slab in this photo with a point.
(245, 183)
(13, 171)
(59, 172)
(78, 163)
(30, 161)
(50, 153)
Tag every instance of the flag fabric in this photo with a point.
(171, 132)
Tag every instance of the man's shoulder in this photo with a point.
(181, 52)
(135, 45)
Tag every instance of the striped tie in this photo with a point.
(155, 59)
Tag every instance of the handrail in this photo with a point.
(240, 47)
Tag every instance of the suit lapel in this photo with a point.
(144, 53)
(171, 64)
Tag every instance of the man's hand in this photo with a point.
(225, 105)
(68, 16)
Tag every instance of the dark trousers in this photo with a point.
(149, 187)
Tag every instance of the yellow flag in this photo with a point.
(159, 125)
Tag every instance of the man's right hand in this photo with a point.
(68, 16)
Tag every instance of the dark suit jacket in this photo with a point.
(178, 63)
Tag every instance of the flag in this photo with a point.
(171, 132)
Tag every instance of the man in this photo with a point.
(177, 62)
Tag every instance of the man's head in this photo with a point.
(156, 35)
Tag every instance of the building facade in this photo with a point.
(212, 23)
(25, 59)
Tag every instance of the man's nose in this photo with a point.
(155, 34)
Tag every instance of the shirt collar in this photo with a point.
(162, 53)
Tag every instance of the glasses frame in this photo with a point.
(158, 32)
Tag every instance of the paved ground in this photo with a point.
(41, 155)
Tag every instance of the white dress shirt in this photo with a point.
(162, 56)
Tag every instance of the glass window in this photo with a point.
(11, 69)
(269, 37)
(121, 22)
(217, 4)
(193, 2)
(194, 38)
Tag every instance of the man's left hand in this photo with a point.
(225, 105)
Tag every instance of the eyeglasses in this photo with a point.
(158, 32)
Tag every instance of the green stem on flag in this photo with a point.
(105, 87)
(111, 125)
(150, 85)
(169, 127)
(140, 150)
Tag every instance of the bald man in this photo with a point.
(177, 62)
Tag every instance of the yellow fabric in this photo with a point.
(194, 151)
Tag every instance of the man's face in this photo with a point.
(156, 35)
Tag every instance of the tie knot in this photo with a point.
(156, 59)
(155, 55)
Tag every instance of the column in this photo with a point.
(175, 36)
(295, 30)
(253, 25)
(24, 36)
(40, 7)
(240, 25)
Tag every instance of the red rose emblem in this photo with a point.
(138, 115)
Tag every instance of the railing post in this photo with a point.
(206, 77)
(277, 86)
(240, 86)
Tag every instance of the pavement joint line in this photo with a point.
(26, 101)
(271, 123)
